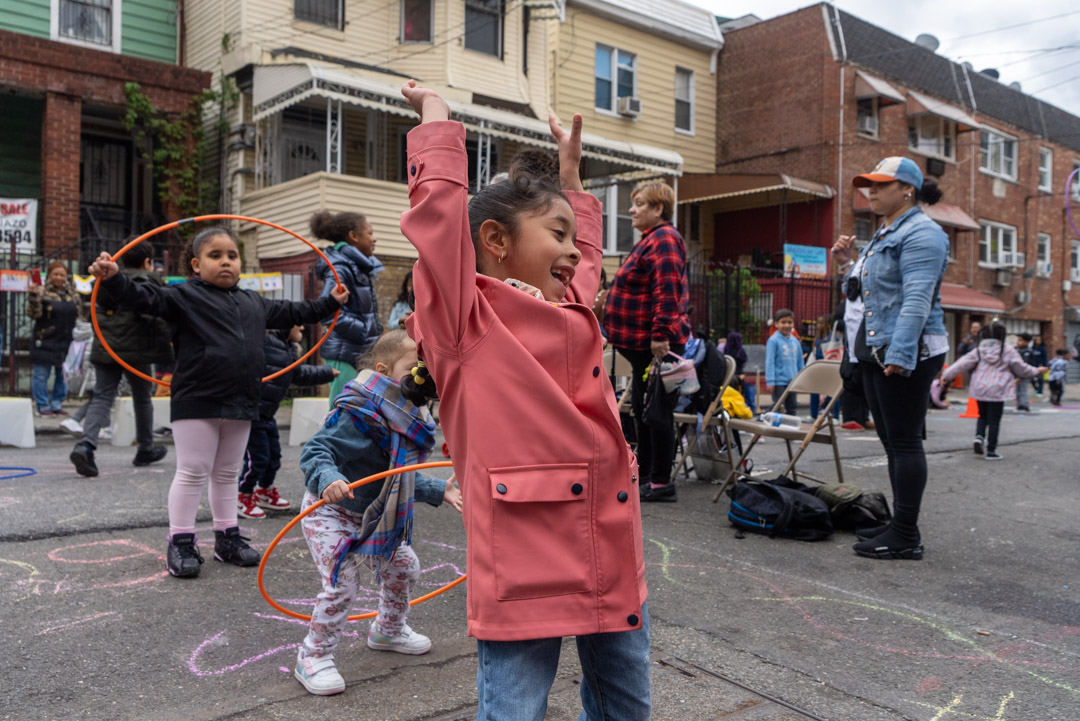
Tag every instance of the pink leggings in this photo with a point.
(206, 448)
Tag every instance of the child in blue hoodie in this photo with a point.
(783, 359)
(377, 423)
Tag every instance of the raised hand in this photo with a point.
(341, 294)
(569, 151)
(843, 249)
(426, 102)
(104, 267)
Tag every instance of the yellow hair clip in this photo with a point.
(417, 378)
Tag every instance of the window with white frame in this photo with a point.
(1042, 258)
(1046, 170)
(330, 13)
(417, 19)
(484, 26)
(997, 154)
(931, 135)
(619, 234)
(866, 116)
(94, 23)
(1074, 262)
(684, 100)
(616, 76)
(997, 244)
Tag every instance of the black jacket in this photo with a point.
(138, 339)
(280, 353)
(218, 337)
(54, 313)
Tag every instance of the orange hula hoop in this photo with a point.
(320, 502)
(199, 219)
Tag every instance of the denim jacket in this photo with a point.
(901, 286)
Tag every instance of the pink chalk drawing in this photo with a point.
(59, 554)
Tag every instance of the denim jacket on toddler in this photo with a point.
(342, 451)
(901, 286)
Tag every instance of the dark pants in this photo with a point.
(262, 459)
(791, 403)
(853, 402)
(1037, 384)
(989, 422)
(1057, 390)
(899, 405)
(655, 445)
(107, 381)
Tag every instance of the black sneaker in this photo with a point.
(890, 545)
(978, 445)
(83, 458)
(1023, 409)
(153, 454)
(183, 558)
(992, 456)
(662, 494)
(230, 547)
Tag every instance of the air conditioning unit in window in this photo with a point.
(630, 107)
(867, 124)
(1044, 268)
(1018, 260)
(1003, 278)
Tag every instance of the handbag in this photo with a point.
(833, 349)
(680, 376)
(658, 404)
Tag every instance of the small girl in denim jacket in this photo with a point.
(376, 423)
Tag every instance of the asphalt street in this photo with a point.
(987, 626)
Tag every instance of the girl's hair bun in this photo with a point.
(533, 164)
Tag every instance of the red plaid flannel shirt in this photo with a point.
(650, 294)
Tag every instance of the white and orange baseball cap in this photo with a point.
(894, 168)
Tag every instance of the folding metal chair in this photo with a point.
(822, 377)
(619, 368)
(687, 424)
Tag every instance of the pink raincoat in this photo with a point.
(995, 374)
(549, 484)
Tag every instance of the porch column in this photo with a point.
(61, 147)
(333, 135)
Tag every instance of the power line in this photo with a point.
(1010, 27)
(1047, 72)
(1067, 80)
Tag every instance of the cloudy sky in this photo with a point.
(1037, 45)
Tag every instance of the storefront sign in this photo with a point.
(805, 261)
(18, 224)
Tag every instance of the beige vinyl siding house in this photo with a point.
(321, 123)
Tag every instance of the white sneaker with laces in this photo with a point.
(318, 674)
(72, 426)
(408, 641)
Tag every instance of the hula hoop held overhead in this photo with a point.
(312, 507)
(200, 219)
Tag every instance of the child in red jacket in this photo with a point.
(504, 289)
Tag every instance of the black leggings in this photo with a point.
(989, 422)
(899, 405)
(655, 447)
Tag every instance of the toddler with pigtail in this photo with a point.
(379, 421)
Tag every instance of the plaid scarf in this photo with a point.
(407, 433)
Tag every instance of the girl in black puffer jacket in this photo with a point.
(218, 331)
(262, 459)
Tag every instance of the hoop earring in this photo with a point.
(501, 258)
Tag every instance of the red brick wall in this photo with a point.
(778, 111)
(60, 150)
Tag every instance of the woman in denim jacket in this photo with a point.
(893, 289)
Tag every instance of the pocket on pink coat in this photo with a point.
(541, 532)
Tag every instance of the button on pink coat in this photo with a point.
(549, 484)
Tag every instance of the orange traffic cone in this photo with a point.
(972, 410)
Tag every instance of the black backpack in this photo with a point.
(783, 508)
(710, 374)
(852, 508)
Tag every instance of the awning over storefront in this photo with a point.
(867, 86)
(943, 213)
(919, 104)
(771, 189)
(278, 87)
(960, 297)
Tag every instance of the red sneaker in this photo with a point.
(853, 426)
(269, 498)
(247, 506)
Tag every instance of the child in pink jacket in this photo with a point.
(993, 381)
(504, 288)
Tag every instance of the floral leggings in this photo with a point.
(323, 530)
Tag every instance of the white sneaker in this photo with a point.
(72, 426)
(318, 674)
(105, 434)
(408, 641)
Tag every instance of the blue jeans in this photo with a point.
(513, 678)
(39, 388)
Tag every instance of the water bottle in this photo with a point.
(780, 419)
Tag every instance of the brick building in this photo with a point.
(807, 100)
(63, 67)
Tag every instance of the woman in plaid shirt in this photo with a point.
(645, 318)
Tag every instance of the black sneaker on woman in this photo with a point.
(182, 557)
(231, 547)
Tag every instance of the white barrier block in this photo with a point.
(123, 418)
(308, 415)
(17, 422)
